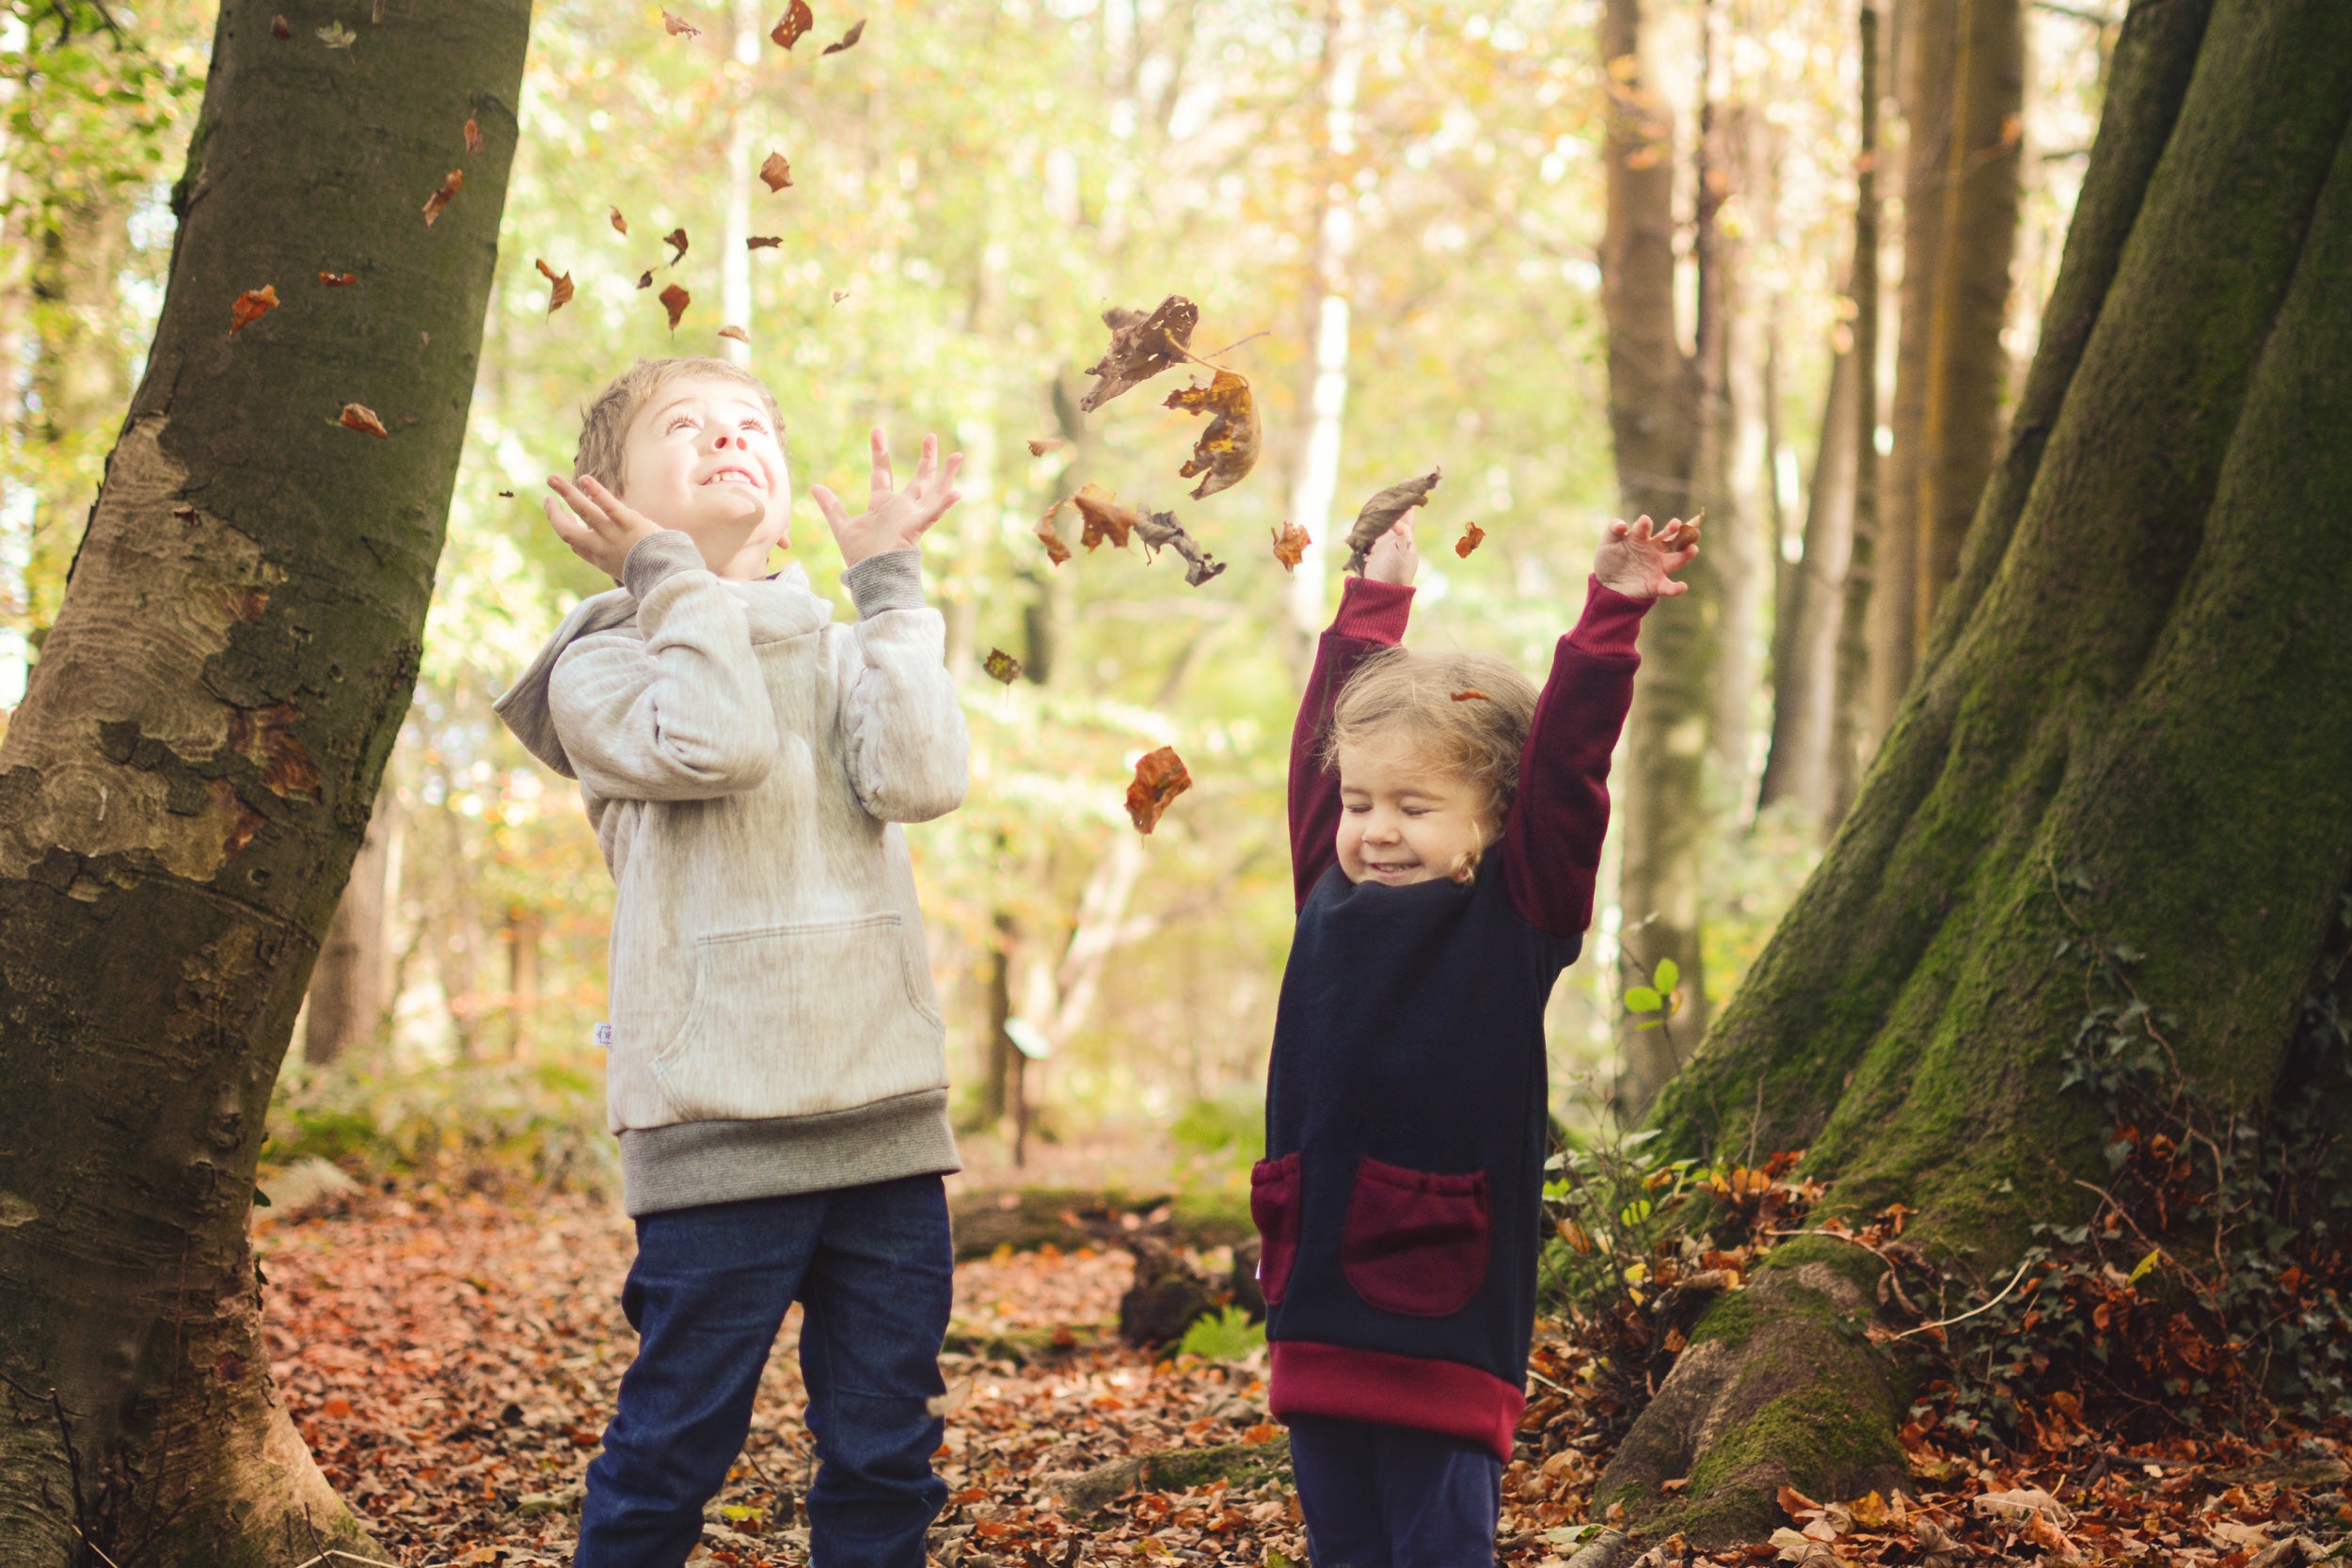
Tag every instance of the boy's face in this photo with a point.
(701, 457)
(1403, 821)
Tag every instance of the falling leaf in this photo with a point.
(278, 28)
(1161, 528)
(1160, 777)
(1381, 512)
(1472, 536)
(1001, 666)
(675, 237)
(620, 224)
(1290, 544)
(1057, 548)
(848, 39)
(1040, 446)
(473, 135)
(763, 242)
(336, 36)
(1105, 518)
(1228, 448)
(452, 183)
(677, 26)
(675, 299)
(776, 172)
(506, 495)
(644, 280)
(1141, 347)
(840, 294)
(339, 279)
(358, 416)
(798, 19)
(1471, 695)
(738, 334)
(252, 306)
(559, 289)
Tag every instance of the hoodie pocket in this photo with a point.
(802, 1019)
(1416, 1242)
(1274, 1205)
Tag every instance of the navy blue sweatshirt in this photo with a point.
(1399, 1203)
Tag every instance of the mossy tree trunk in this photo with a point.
(2128, 728)
(191, 771)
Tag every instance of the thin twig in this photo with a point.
(95, 1548)
(1988, 1307)
(1236, 344)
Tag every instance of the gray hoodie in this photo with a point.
(745, 762)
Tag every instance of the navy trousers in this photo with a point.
(872, 1268)
(1389, 1496)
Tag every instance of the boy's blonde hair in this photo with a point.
(604, 428)
(1471, 711)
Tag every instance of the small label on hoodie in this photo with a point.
(604, 1037)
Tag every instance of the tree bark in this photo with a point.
(183, 790)
(2129, 727)
(1850, 733)
(1967, 368)
(1654, 417)
(1805, 678)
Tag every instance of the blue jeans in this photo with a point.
(872, 1268)
(1391, 1497)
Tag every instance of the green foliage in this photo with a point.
(1233, 1128)
(472, 1124)
(1225, 1335)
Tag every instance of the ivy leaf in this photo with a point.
(1160, 777)
(675, 300)
(798, 19)
(559, 289)
(1141, 347)
(1290, 544)
(1642, 999)
(252, 306)
(776, 172)
(438, 201)
(1228, 448)
(848, 39)
(1666, 976)
(1002, 667)
(1381, 514)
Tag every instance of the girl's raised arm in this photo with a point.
(1372, 615)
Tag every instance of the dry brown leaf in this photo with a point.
(252, 306)
(677, 26)
(1228, 448)
(280, 28)
(620, 224)
(1471, 695)
(675, 237)
(1381, 514)
(1792, 1502)
(1160, 777)
(1141, 347)
(840, 294)
(1105, 518)
(1040, 445)
(675, 300)
(763, 242)
(738, 334)
(1057, 548)
(848, 39)
(1001, 667)
(797, 20)
(644, 280)
(1161, 528)
(1290, 544)
(358, 416)
(339, 279)
(559, 289)
(1472, 536)
(776, 172)
(473, 135)
(433, 205)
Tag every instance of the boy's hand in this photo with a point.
(1641, 564)
(598, 527)
(1394, 557)
(893, 520)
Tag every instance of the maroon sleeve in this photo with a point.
(1552, 839)
(1372, 615)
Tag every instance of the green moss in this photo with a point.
(1816, 1433)
(1732, 1319)
(1856, 1264)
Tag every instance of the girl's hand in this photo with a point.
(893, 520)
(1641, 564)
(592, 521)
(1394, 557)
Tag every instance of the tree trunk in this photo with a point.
(1850, 733)
(1967, 368)
(1653, 421)
(2129, 728)
(351, 983)
(191, 772)
(1741, 538)
(1805, 678)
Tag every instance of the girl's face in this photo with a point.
(1404, 821)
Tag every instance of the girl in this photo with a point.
(1446, 825)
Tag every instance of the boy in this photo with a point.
(777, 1078)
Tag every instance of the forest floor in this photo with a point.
(452, 1360)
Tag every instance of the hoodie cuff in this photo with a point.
(1373, 612)
(657, 558)
(1611, 623)
(891, 580)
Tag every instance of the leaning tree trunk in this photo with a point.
(184, 788)
(2130, 725)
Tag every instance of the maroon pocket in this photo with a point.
(1416, 1242)
(1274, 1205)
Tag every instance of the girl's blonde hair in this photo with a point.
(1470, 712)
(604, 427)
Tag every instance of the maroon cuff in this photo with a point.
(1307, 1378)
(1373, 612)
(1611, 622)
